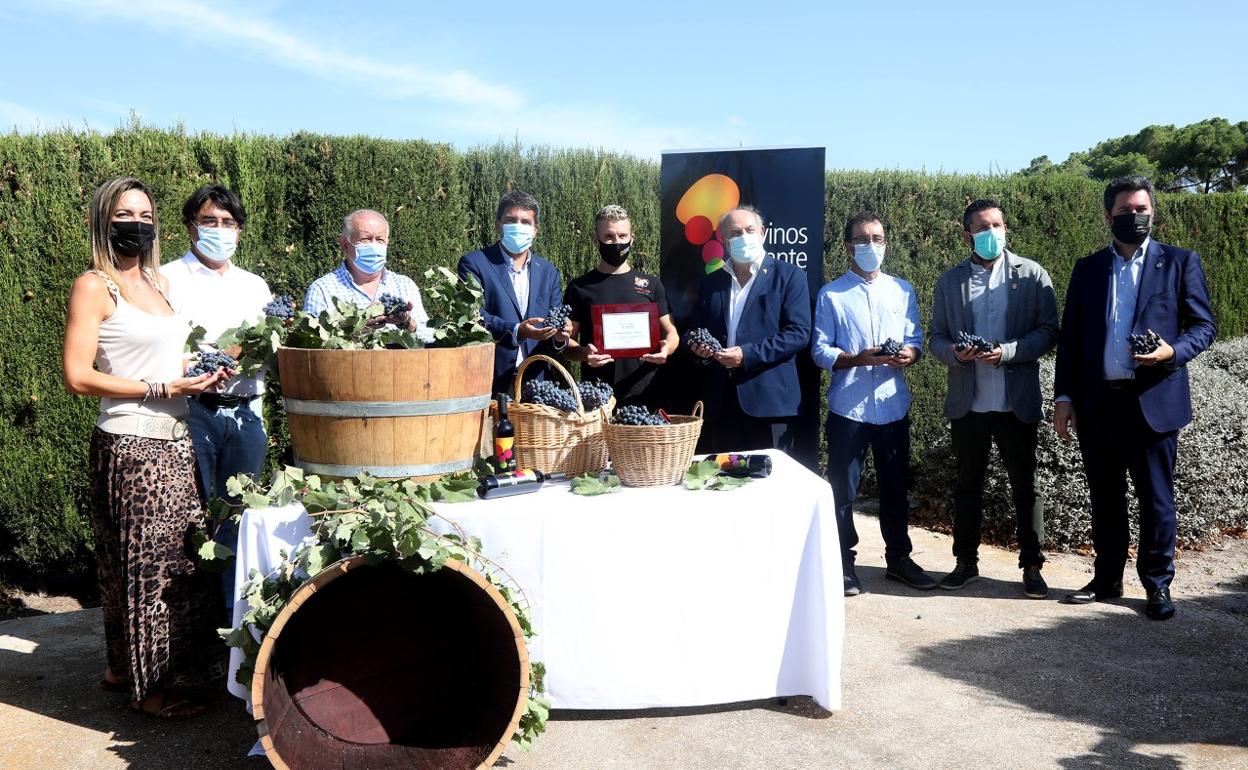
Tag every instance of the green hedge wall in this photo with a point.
(440, 202)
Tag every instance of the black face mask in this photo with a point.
(614, 254)
(1131, 228)
(130, 239)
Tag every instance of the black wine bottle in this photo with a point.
(514, 483)
(758, 466)
(504, 439)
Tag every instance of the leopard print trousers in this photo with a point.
(160, 611)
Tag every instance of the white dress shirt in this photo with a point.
(520, 285)
(217, 302)
(740, 293)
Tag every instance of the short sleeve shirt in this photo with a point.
(630, 377)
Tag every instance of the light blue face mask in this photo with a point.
(216, 243)
(869, 256)
(517, 238)
(746, 248)
(370, 257)
(990, 243)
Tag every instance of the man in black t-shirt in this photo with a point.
(615, 282)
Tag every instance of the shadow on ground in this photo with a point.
(59, 680)
(1143, 683)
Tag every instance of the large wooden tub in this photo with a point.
(377, 667)
(393, 413)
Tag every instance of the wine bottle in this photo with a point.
(758, 466)
(514, 483)
(504, 439)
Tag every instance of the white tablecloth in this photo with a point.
(663, 596)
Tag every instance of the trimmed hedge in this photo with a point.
(441, 203)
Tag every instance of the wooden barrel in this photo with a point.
(378, 667)
(393, 413)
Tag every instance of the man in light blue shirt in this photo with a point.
(866, 333)
(362, 277)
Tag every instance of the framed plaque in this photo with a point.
(626, 331)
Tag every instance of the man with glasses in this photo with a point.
(1007, 303)
(213, 293)
(362, 278)
(867, 333)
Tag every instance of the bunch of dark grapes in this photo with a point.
(282, 307)
(636, 415)
(595, 394)
(392, 305)
(701, 336)
(547, 393)
(1143, 344)
(890, 348)
(208, 361)
(557, 317)
(973, 341)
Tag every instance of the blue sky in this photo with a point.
(912, 85)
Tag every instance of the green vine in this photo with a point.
(380, 520)
(453, 304)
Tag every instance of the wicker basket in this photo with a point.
(654, 455)
(552, 441)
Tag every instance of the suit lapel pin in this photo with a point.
(1014, 285)
(1158, 265)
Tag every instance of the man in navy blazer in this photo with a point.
(1127, 408)
(759, 308)
(520, 288)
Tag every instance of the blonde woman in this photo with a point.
(124, 344)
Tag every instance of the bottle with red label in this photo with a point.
(504, 439)
(514, 483)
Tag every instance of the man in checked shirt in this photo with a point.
(866, 333)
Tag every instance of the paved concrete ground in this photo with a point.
(982, 678)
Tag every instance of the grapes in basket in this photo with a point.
(636, 415)
(548, 393)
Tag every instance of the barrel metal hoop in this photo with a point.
(385, 471)
(386, 408)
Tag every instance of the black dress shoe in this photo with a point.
(1094, 592)
(1159, 606)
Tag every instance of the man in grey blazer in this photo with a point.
(994, 384)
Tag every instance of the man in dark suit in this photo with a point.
(520, 288)
(759, 309)
(1128, 408)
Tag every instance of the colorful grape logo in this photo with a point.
(700, 208)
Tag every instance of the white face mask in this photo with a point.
(746, 248)
(869, 256)
(217, 244)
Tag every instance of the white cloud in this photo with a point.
(268, 39)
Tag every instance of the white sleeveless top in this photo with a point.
(139, 346)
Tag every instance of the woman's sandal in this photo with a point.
(180, 708)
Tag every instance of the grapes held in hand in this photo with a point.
(636, 415)
(392, 305)
(974, 342)
(208, 361)
(890, 347)
(557, 317)
(703, 337)
(282, 307)
(1143, 344)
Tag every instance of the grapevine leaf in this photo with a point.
(700, 474)
(724, 483)
(590, 484)
(195, 339)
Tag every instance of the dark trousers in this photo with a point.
(1114, 442)
(847, 450)
(732, 430)
(973, 435)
